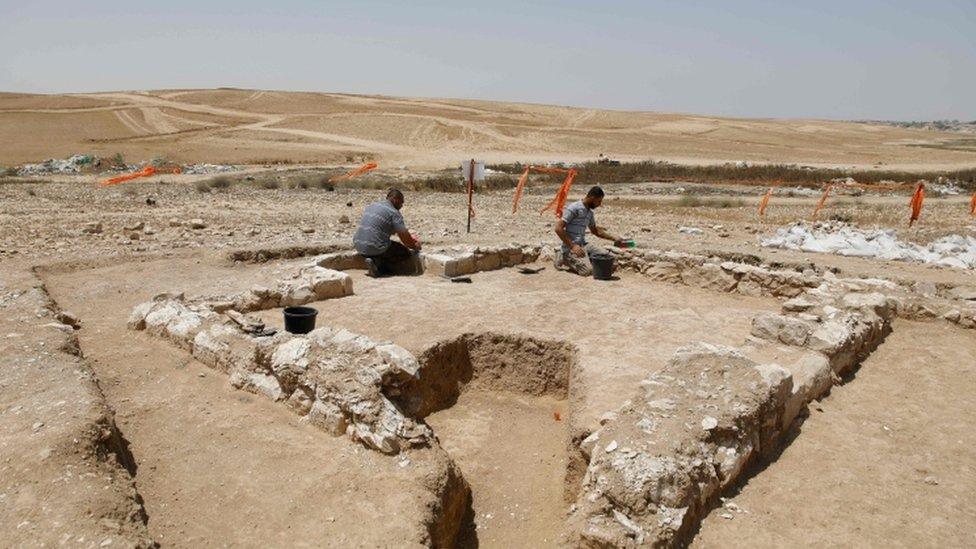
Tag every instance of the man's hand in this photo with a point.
(578, 250)
(619, 242)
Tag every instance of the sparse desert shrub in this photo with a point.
(694, 201)
(268, 183)
(325, 184)
(202, 186)
(595, 173)
(844, 217)
(30, 192)
(220, 182)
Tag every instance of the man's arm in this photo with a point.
(561, 233)
(408, 240)
(602, 233)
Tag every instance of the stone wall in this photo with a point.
(335, 379)
(956, 305)
(658, 463)
(446, 261)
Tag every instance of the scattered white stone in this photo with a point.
(690, 230)
(709, 423)
(612, 446)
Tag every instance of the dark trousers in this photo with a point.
(397, 259)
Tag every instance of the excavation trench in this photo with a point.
(500, 406)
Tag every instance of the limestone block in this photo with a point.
(441, 265)
(297, 294)
(402, 359)
(328, 417)
(785, 329)
(709, 276)
(329, 284)
(488, 261)
(812, 378)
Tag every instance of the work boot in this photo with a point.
(371, 269)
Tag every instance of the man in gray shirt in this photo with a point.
(571, 229)
(372, 239)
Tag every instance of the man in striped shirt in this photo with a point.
(571, 229)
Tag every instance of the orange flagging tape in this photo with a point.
(823, 199)
(765, 199)
(353, 173)
(145, 172)
(560, 199)
(972, 205)
(525, 178)
(916, 203)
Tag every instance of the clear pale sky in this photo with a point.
(906, 60)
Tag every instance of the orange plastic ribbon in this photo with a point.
(525, 178)
(541, 169)
(972, 205)
(916, 202)
(823, 199)
(560, 199)
(145, 172)
(353, 173)
(765, 199)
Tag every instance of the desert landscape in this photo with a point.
(754, 373)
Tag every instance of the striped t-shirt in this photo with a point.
(577, 217)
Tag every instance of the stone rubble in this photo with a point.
(956, 305)
(335, 379)
(693, 427)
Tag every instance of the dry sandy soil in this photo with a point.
(217, 466)
(886, 459)
(252, 126)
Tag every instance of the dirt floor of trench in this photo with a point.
(885, 461)
(623, 329)
(512, 451)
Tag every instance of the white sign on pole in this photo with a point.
(479, 170)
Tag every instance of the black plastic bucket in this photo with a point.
(602, 266)
(300, 320)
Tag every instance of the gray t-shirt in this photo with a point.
(380, 220)
(577, 218)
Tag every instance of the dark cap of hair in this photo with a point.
(595, 192)
(394, 193)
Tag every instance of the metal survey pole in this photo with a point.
(470, 190)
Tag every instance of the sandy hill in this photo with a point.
(247, 126)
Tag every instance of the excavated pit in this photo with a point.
(500, 406)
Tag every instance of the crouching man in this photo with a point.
(386, 257)
(571, 229)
